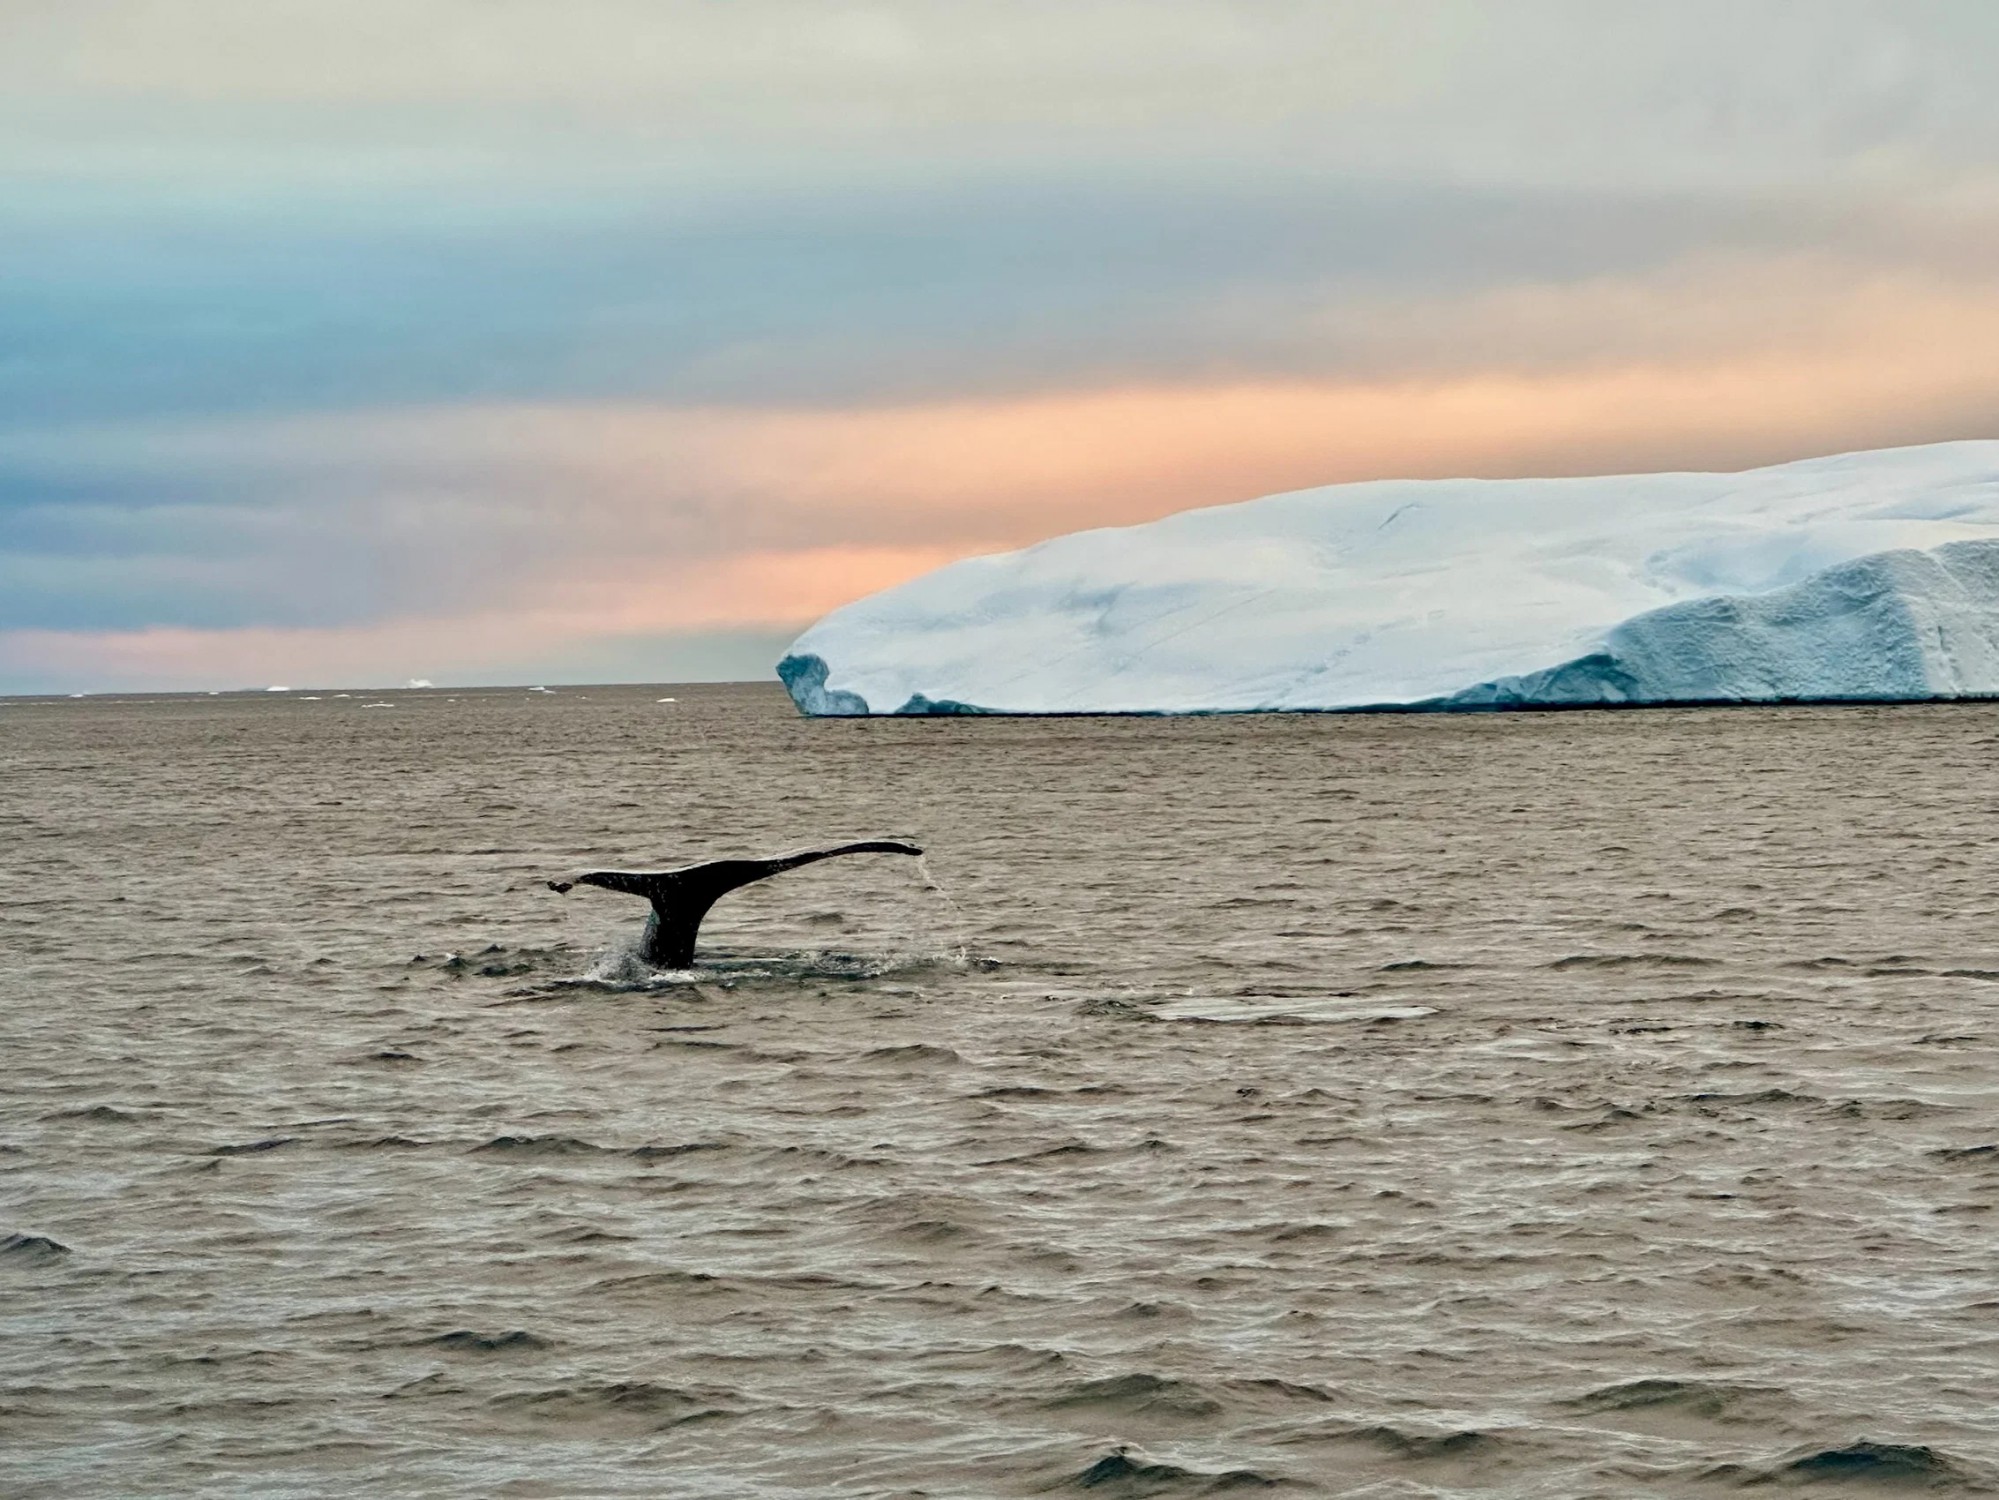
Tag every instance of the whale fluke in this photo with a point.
(681, 898)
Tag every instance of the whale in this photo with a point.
(681, 898)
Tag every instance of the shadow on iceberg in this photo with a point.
(804, 677)
(1896, 626)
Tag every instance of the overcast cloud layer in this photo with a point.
(496, 339)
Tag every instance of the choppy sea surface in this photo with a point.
(1531, 1105)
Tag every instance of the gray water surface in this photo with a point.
(1538, 1105)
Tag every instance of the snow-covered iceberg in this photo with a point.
(1871, 575)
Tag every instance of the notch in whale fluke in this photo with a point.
(681, 898)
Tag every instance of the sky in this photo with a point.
(486, 341)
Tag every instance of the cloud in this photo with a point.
(330, 330)
(495, 533)
(691, 620)
(131, 308)
(1535, 90)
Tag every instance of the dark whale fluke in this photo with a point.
(681, 898)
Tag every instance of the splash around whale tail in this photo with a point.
(681, 898)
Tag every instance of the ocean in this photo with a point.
(1582, 1104)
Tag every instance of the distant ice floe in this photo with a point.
(277, 689)
(1279, 1011)
(1865, 576)
(419, 682)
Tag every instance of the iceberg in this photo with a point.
(1868, 576)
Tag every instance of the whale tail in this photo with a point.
(681, 898)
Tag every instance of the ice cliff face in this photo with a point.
(1872, 575)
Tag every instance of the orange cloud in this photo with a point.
(1739, 366)
(803, 510)
(761, 590)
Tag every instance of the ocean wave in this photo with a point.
(536, 1147)
(31, 1249)
(464, 1340)
(1890, 1463)
(1121, 1473)
(1714, 1401)
(634, 1405)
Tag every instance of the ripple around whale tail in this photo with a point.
(620, 969)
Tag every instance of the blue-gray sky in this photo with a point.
(488, 339)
